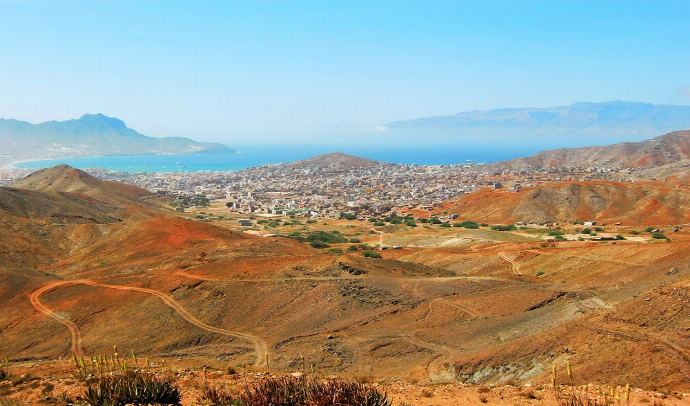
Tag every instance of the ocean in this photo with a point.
(258, 155)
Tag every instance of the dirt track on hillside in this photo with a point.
(260, 348)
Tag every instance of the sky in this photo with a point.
(284, 71)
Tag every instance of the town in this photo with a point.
(334, 190)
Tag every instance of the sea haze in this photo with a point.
(251, 156)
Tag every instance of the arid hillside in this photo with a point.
(630, 203)
(450, 305)
(659, 151)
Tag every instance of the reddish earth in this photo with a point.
(193, 293)
(638, 203)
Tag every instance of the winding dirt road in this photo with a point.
(514, 265)
(73, 329)
(259, 346)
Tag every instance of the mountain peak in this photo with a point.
(66, 179)
(113, 122)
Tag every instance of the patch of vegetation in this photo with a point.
(586, 231)
(620, 237)
(352, 248)
(503, 227)
(296, 235)
(571, 395)
(555, 233)
(301, 391)
(410, 223)
(354, 240)
(598, 229)
(435, 221)
(649, 229)
(540, 273)
(370, 254)
(217, 397)
(467, 224)
(348, 216)
(131, 387)
(659, 236)
(335, 251)
(332, 237)
(319, 244)
(484, 224)
(446, 225)
(379, 224)
(5, 370)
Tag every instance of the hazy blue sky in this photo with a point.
(266, 70)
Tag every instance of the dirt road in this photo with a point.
(259, 346)
(514, 265)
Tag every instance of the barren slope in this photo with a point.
(662, 150)
(625, 202)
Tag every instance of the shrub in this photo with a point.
(598, 229)
(396, 220)
(335, 251)
(217, 397)
(411, 223)
(484, 225)
(379, 224)
(348, 216)
(4, 371)
(131, 387)
(469, 224)
(504, 227)
(556, 233)
(620, 237)
(659, 236)
(435, 221)
(370, 254)
(586, 231)
(445, 225)
(373, 219)
(301, 391)
(351, 248)
(354, 240)
(319, 244)
(540, 273)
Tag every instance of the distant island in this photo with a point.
(91, 135)
(576, 125)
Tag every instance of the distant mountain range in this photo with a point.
(90, 135)
(579, 124)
